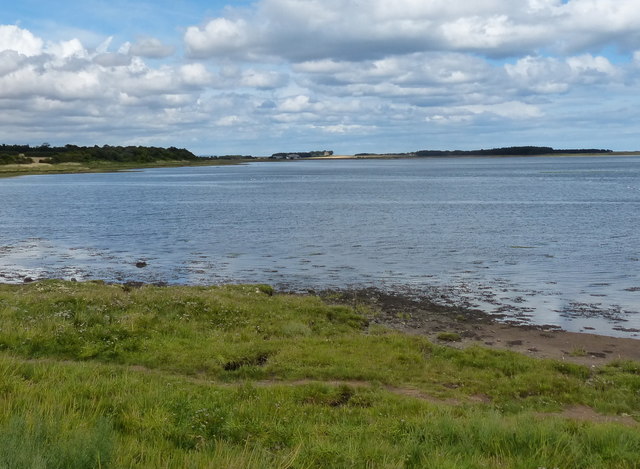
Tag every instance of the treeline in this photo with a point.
(14, 159)
(502, 151)
(509, 151)
(22, 154)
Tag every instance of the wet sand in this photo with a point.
(423, 316)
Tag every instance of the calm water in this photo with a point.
(553, 240)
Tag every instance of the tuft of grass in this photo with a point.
(578, 352)
(449, 337)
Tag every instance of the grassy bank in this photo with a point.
(96, 375)
(13, 170)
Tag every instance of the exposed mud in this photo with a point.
(425, 315)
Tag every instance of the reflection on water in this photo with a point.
(549, 240)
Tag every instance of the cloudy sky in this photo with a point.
(256, 77)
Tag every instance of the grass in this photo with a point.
(97, 375)
(449, 337)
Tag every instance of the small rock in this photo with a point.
(141, 264)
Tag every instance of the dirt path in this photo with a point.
(575, 412)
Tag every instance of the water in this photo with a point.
(544, 240)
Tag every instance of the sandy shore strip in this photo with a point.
(463, 327)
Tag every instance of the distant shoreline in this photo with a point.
(390, 156)
(39, 168)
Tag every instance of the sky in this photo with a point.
(258, 77)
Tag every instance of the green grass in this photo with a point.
(449, 337)
(96, 375)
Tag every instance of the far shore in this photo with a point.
(39, 168)
(407, 156)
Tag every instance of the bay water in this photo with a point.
(540, 240)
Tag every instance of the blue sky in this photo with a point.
(256, 77)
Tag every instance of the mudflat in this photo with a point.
(462, 327)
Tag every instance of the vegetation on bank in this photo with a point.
(45, 153)
(502, 151)
(98, 375)
(17, 160)
(513, 151)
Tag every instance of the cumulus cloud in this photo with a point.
(13, 38)
(434, 61)
(353, 29)
(261, 79)
(151, 48)
(66, 84)
(549, 75)
(218, 37)
(295, 104)
(540, 75)
(195, 74)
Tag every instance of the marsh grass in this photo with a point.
(96, 375)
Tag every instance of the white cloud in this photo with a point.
(587, 63)
(13, 38)
(344, 128)
(492, 35)
(151, 48)
(261, 79)
(68, 87)
(66, 49)
(218, 37)
(546, 75)
(540, 75)
(320, 66)
(195, 74)
(228, 121)
(313, 31)
(295, 104)
(509, 109)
